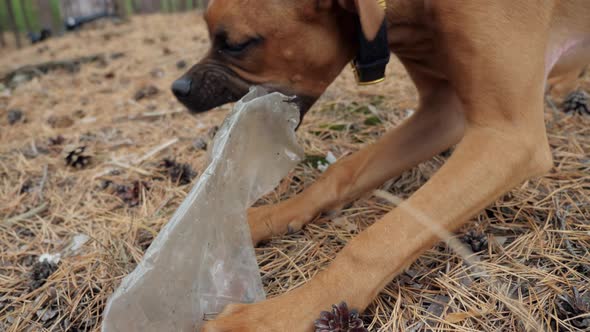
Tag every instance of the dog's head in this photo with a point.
(297, 47)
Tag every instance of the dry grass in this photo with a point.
(534, 240)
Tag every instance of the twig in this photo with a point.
(553, 107)
(31, 213)
(561, 218)
(462, 250)
(155, 151)
(42, 184)
(210, 316)
(103, 173)
(125, 142)
(147, 115)
(162, 205)
(34, 148)
(551, 104)
(562, 226)
(468, 256)
(134, 103)
(31, 71)
(130, 167)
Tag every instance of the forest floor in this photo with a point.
(96, 155)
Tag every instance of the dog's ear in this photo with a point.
(370, 12)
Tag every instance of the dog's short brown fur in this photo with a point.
(481, 69)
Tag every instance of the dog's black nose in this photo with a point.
(182, 87)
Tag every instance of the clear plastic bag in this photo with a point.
(203, 259)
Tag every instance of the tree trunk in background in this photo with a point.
(12, 22)
(181, 6)
(150, 6)
(2, 41)
(121, 8)
(27, 19)
(45, 15)
(135, 5)
(64, 8)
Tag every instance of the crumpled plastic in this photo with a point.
(203, 259)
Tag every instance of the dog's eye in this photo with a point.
(238, 49)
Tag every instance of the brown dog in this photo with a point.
(480, 67)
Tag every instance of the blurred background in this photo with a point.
(31, 21)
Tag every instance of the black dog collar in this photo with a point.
(372, 57)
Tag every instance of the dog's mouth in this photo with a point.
(206, 86)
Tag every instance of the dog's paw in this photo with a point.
(578, 102)
(233, 319)
(268, 316)
(278, 219)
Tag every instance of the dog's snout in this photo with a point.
(182, 87)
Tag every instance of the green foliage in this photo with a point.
(334, 127)
(26, 7)
(315, 160)
(129, 6)
(19, 13)
(372, 121)
(29, 8)
(56, 12)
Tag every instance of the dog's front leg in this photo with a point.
(489, 161)
(438, 124)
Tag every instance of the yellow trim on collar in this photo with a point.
(369, 83)
(382, 3)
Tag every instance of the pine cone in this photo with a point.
(340, 320)
(577, 102)
(131, 194)
(179, 173)
(77, 157)
(477, 241)
(42, 270)
(575, 309)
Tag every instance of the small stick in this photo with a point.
(42, 184)
(471, 259)
(34, 148)
(210, 316)
(134, 103)
(561, 217)
(155, 151)
(158, 114)
(31, 213)
(125, 142)
(553, 107)
(462, 250)
(164, 203)
(551, 104)
(147, 115)
(129, 167)
(103, 173)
